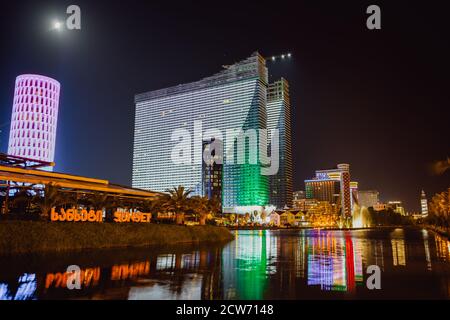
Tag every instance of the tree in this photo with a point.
(214, 206)
(440, 209)
(202, 206)
(47, 198)
(153, 206)
(179, 202)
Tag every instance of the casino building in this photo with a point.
(334, 186)
(237, 98)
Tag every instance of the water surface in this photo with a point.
(306, 264)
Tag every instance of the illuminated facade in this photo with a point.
(423, 204)
(279, 117)
(34, 118)
(322, 189)
(235, 98)
(212, 172)
(298, 198)
(397, 206)
(298, 195)
(332, 184)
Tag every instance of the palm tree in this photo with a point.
(179, 202)
(48, 198)
(153, 206)
(215, 206)
(202, 206)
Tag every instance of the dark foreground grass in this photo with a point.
(17, 237)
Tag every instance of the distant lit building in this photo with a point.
(397, 206)
(300, 194)
(368, 198)
(304, 204)
(34, 118)
(423, 204)
(320, 207)
(332, 185)
(380, 207)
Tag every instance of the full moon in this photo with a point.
(57, 25)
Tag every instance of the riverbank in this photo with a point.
(20, 237)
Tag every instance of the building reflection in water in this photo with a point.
(398, 247)
(257, 265)
(442, 248)
(246, 264)
(427, 249)
(328, 260)
(334, 263)
(24, 289)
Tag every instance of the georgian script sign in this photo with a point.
(74, 215)
(77, 215)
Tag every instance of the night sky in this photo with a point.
(378, 100)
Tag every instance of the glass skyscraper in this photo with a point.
(279, 117)
(188, 114)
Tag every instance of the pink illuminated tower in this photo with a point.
(34, 118)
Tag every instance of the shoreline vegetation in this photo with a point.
(25, 237)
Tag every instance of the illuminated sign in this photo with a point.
(74, 215)
(77, 215)
(131, 217)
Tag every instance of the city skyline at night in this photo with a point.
(351, 84)
(225, 159)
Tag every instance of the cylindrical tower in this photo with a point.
(34, 118)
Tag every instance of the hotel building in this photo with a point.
(189, 114)
(322, 189)
(34, 118)
(332, 185)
